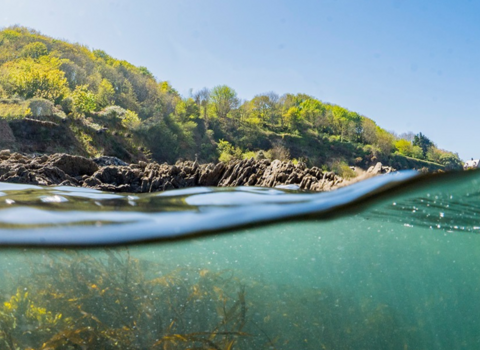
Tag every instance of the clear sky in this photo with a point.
(410, 65)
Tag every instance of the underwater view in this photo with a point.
(388, 263)
(239, 175)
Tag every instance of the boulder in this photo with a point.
(73, 165)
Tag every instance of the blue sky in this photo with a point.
(410, 65)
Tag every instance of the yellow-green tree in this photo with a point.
(106, 94)
(30, 77)
(131, 120)
(186, 109)
(83, 100)
(346, 123)
(264, 108)
(404, 147)
(292, 118)
(34, 50)
(313, 111)
(385, 141)
(223, 99)
(369, 131)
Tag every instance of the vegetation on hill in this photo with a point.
(115, 108)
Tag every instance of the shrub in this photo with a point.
(12, 111)
(113, 112)
(67, 104)
(3, 93)
(260, 155)
(41, 107)
(343, 169)
(451, 161)
(279, 152)
(249, 154)
(131, 120)
(228, 152)
(84, 101)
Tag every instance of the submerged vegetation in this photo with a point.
(115, 108)
(111, 300)
(76, 301)
(392, 273)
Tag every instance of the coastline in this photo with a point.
(112, 174)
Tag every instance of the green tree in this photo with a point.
(417, 152)
(369, 131)
(106, 94)
(228, 152)
(186, 110)
(423, 142)
(451, 161)
(202, 99)
(265, 108)
(385, 141)
(223, 99)
(84, 101)
(75, 74)
(313, 111)
(354, 126)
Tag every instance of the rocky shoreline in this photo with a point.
(112, 174)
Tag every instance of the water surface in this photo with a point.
(388, 264)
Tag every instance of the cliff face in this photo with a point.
(6, 134)
(38, 136)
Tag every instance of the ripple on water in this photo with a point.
(446, 202)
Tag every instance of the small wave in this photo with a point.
(34, 215)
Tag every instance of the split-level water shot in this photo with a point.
(234, 175)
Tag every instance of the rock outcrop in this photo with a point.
(64, 169)
(378, 169)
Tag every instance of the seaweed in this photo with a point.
(109, 299)
(74, 300)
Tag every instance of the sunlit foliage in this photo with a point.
(106, 94)
(34, 50)
(84, 101)
(168, 126)
(30, 78)
(131, 120)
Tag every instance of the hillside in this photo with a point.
(57, 96)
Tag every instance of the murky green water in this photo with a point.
(397, 271)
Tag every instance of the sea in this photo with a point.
(392, 262)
